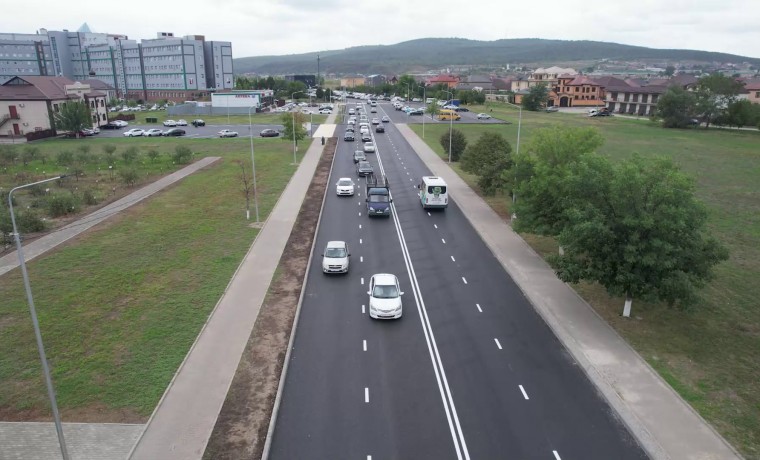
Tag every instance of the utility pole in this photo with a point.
(317, 69)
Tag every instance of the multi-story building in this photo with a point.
(166, 67)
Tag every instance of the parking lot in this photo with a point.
(202, 132)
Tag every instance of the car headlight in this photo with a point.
(372, 209)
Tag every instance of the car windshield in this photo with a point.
(378, 198)
(385, 292)
(345, 182)
(335, 253)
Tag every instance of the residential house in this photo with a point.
(634, 98)
(576, 91)
(375, 80)
(352, 81)
(476, 82)
(443, 79)
(102, 87)
(28, 104)
(751, 91)
(548, 76)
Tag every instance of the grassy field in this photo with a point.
(256, 118)
(710, 354)
(120, 305)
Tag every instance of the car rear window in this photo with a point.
(436, 189)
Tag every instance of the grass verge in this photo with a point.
(709, 353)
(120, 305)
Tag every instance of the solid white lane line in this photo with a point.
(361, 258)
(369, 457)
(444, 241)
(556, 455)
(497, 343)
(364, 344)
(478, 305)
(362, 309)
(360, 214)
(362, 281)
(453, 259)
(525, 395)
(465, 280)
(366, 394)
(435, 225)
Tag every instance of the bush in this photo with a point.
(182, 154)
(153, 154)
(64, 158)
(88, 198)
(129, 176)
(37, 190)
(130, 155)
(61, 205)
(29, 222)
(458, 143)
(109, 150)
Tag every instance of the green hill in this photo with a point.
(428, 53)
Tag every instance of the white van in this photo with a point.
(433, 192)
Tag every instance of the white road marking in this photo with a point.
(364, 344)
(362, 281)
(497, 343)
(369, 457)
(556, 455)
(525, 395)
(366, 394)
(444, 241)
(407, 173)
(478, 305)
(360, 214)
(361, 258)
(359, 203)
(453, 259)
(362, 309)
(428, 213)
(360, 226)
(435, 225)
(360, 241)
(463, 279)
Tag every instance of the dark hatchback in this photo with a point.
(110, 126)
(269, 133)
(364, 168)
(197, 123)
(379, 129)
(174, 132)
(349, 136)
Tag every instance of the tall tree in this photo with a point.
(714, 93)
(536, 98)
(637, 229)
(287, 121)
(73, 117)
(675, 108)
(542, 195)
(488, 158)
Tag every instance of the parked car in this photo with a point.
(134, 132)
(120, 123)
(153, 132)
(325, 111)
(227, 133)
(380, 129)
(364, 168)
(552, 108)
(484, 116)
(384, 297)
(345, 186)
(359, 156)
(461, 109)
(181, 122)
(269, 133)
(170, 123)
(199, 122)
(174, 132)
(110, 125)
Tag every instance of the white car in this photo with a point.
(369, 147)
(181, 123)
(345, 186)
(152, 132)
(120, 123)
(416, 99)
(335, 257)
(171, 123)
(227, 133)
(375, 121)
(351, 121)
(483, 116)
(384, 297)
(364, 130)
(134, 132)
(325, 111)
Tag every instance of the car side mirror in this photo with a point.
(401, 293)
(366, 199)
(369, 292)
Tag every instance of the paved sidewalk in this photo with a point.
(665, 425)
(84, 441)
(10, 261)
(182, 422)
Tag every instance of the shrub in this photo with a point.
(61, 205)
(182, 154)
(64, 158)
(29, 222)
(458, 143)
(109, 150)
(128, 176)
(130, 154)
(88, 198)
(153, 154)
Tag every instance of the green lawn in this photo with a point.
(256, 118)
(710, 354)
(120, 306)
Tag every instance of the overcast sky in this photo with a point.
(263, 27)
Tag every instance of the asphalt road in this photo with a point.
(469, 371)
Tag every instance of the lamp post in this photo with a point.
(451, 123)
(311, 114)
(293, 128)
(253, 166)
(517, 153)
(33, 311)
(424, 101)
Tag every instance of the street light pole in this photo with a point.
(253, 166)
(424, 101)
(451, 122)
(293, 128)
(35, 322)
(311, 114)
(517, 153)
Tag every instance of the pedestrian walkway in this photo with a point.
(84, 441)
(663, 423)
(181, 424)
(10, 261)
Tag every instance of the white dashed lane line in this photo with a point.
(360, 241)
(361, 258)
(497, 343)
(465, 280)
(363, 309)
(453, 259)
(444, 241)
(435, 225)
(525, 395)
(428, 213)
(366, 394)
(364, 345)
(479, 309)
(362, 281)
(556, 455)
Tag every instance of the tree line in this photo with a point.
(635, 227)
